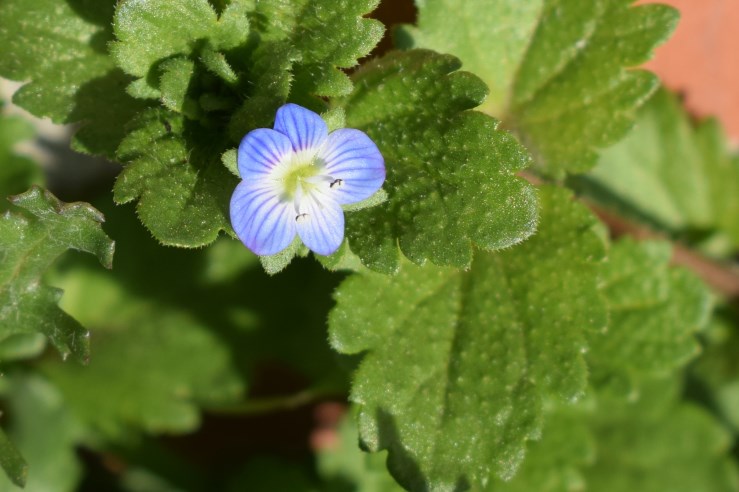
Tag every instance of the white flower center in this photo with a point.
(303, 175)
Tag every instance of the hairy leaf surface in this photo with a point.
(30, 240)
(176, 174)
(451, 180)
(459, 363)
(557, 69)
(60, 47)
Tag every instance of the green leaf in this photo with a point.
(17, 173)
(264, 474)
(303, 44)
(718, 367)
(174, 169)
(345, 467)
(557, 69)
(658, 443)
(655, 312)
(12, 462)
(451, 180)
(45, 432)
(554, 463)
(175, 82)
(202, 66)
(30, 241)
(672, 174)
(459, 364)
(149, 31)
(60, 47)
(171, 361)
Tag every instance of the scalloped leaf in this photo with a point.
(175, 171)
(451, 180)
(217, 84)
(459, 364)
(61, 48)
(30, 240)
(655, 310)
(303, 45)
(673, 174)
(557, 69)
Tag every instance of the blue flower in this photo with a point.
(296, 177)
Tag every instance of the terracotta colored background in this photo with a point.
(702, 59)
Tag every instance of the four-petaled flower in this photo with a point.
(296, 177)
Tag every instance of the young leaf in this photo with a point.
(557, 69)
(458, 363)
(174, 169)
(17, 173)
(655, 311)
(303, 45)
(202, 66)
(673, 174)
(11, 461)
(171, 359)
(60, 47)
(30, 241)
(45, 432)
(149, 31)
(451, 180)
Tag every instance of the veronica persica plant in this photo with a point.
(296, 177)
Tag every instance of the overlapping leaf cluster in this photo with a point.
(558, 69)
(505, 344)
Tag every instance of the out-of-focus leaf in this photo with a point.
(30, 240)
(344, 467)
(17, 173)
(45, 432)
(12, 462)
(673, 174)
(659, 443)
(153, 366)
(655, 312)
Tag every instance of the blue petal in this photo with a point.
(351, 156)
(260, 151)
(305, 129)
(321, 226)
(262, 222)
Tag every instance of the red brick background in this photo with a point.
(701, 60)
